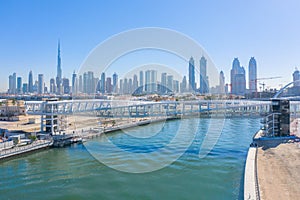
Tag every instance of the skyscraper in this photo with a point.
(30, 82)
(183, 85)
(296, 78)
(252, 75)
(102, 84)
(204, 86)
(108, 85)
(163, 83)
(238, 78)
(134, 83)
(40, 84)
(59, 71)
(66, 86)
(115, 83)
(10, 84)
(74, 84)
(52, 86)
(19, 85)
(222, 83)
(141, 86)
(192, 84)
(170, 83)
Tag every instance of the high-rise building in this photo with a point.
(10, 84)
(130, 86)
(19, 85)
(102, 84)
(163, 83)
(80, 87)
(221, 83)
(40, 84)
(121, 91)
(296, 78)
(153, 81)
(25, 88)
(252, 75)
(115, 83)
(52, 86)
(59, 71)
(135, 83)
(74, 84)
(125, 86)
(147, 81)
(192, 83)
(66, 86)
(30, 82)
(141, 86)
(170, 83)
(238, 78)
(109, 86)
(204, 86)
(183, 84)
(175, 86)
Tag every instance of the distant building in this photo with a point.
(52, 86)
(183, 84)
(74, 84)
(134, 83)
(238, 78)
(102, 84)
(66, 86)
(296, 77)
(19, 85)
(109, 86)
(170, 83)
(204, 86)
(163, 83)
(59, 71)
(115, 83)
(25, 88)
(222, 83)
(12, 79)
(40, 84)
(252, 75)
(192, 83)
(141, 86)
(30, 82)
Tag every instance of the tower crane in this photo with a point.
(265, 78)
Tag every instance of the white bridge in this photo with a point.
(121, 108)
(50, 110)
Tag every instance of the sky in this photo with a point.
(269, 30)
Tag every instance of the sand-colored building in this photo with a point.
(11, 110)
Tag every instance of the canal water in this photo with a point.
(78, 172)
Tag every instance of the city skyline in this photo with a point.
(265, 34)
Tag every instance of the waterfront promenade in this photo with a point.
(279, 171)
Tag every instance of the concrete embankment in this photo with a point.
(37, 145)
(251, 190)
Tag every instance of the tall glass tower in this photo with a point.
(192, 85)
(30, 82)
(238, 78)
(204, 86)
(252, 75)
(59, 71)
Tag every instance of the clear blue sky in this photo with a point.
(268, 30)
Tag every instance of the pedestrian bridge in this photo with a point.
(121, 108)
(52, 112)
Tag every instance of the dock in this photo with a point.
(15, 151)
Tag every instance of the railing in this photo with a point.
(23, 149)
(256, 177)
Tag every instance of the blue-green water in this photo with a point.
(73, 173)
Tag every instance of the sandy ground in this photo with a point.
(279, 172)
